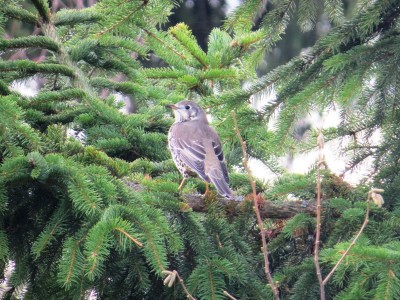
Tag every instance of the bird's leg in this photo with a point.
(181, 185)
(207, 191)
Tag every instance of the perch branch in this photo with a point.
(268, 209)
(257, 211)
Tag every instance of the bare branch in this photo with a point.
(229, 295)
(320, 141)
(366, 220)
(268, 209)
(171, 276)
(257, 211)
(184, 287)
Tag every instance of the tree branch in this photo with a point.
(268, 209)
(257, 211)
(321, 161)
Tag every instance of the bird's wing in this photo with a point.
(218, 152)
(215, 168)
(192, 153)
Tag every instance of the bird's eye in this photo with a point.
(187, 106)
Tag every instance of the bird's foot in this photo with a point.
(181, 185)
(207, 190)
(209, 194)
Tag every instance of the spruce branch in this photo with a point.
(29, 42)
(184, 36)
(321, 161)
(122, 20)
(152, 35)
(19, 13)
(43, 9)
(257, 211)
(364, 224)
(31, 67)
(80, 79)
(4, 90)
(139, 244)
(71, 17)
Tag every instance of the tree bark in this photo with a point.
(268, 209)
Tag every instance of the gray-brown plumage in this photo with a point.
(195, 146)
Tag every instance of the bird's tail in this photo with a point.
(220, 183)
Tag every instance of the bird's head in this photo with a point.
(187, 111)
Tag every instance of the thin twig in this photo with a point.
(189, 296)
(170, 278)
(229, 295)
(323, 282)
(257, 211)
(366, 220)
(320, 141)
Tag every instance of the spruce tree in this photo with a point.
(89, 201)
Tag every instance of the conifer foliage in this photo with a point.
(89, 202)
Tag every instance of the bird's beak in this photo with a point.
(171, 106)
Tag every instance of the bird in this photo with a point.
(195, 146)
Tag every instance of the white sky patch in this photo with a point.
(260, 170)
(335, 157)
(231, 5)
(27, 88)
(5, 285)
(301, 163)
(80, 136)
